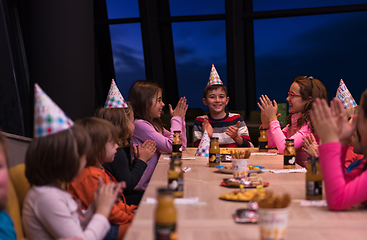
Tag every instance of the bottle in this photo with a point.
(175, 176)
(214, 152)
(165, 216)
(177, 143)
(289, 154)
(313, 179)
(263, 140)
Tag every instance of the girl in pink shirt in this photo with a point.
(331, 124)
(301, 95)
(146, 100)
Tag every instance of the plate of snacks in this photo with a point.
(251, 182)
(243, 195)
(228, 169)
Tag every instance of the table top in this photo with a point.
(213, 219)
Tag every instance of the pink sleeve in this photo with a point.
(279, 136)
(269, 132)
(144, 131)
(340, 194)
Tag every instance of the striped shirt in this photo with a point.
(219, 130)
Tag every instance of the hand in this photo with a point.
(268, 108)
(180, 109)
(106, 197)
(147, 150)
(79, 209)
(323, 121)
(208, 127)
(310, 145)
(232, 131)
(346, 129)
(135, 151)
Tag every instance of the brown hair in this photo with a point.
(120, 118)
(100, 132)
(141, 95)
(213, 87)
(363, 102)
(310, 89)
(56, 157)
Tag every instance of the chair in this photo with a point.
(18, 188)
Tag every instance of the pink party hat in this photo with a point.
(203, 149)
(114, 98)
(48, 117)
(344, 95)
(214, 77)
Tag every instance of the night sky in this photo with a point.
(328, 47)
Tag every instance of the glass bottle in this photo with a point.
(214, 152)
(175, 176)
(177, 143)
(263, 140)
(313, 179)
(289, 154)
(165, 216)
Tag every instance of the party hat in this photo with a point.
(203, 149)
(344, 95)
(214, 77)
(48, 117)
(114, 98)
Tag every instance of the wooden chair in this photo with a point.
(18, 188)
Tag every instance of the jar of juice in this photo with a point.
(165, 216)
(175, 176)
(263, 140)
(289, 154)
(177, 143)
(313, 179)
(214, 152)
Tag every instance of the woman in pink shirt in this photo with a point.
(332, 125)
(146, 100)
(301, 95)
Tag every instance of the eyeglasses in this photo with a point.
(292, 95)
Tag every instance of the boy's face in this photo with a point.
(3, 178)
(216, 100)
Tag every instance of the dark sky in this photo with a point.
(328, 47)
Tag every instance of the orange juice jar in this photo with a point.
(289, 154)
(214, 152)
(177, 143)
(263, 140)
(165, 216)
(175, 176)
(313, 179)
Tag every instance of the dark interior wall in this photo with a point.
(59, 43)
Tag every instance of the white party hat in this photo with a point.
(345, 96)
(203, 149)
(214, 77)
(48, 117)
(114, 98)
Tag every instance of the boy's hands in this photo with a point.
(232, 131)
(146, 151)
(208, 127)
(180, 109)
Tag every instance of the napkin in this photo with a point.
(114, 98)
(182, 201)
(203, 149)
(48, 117)
(343, 94)
(292, 170)
(214, 78)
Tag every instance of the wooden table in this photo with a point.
(214, 220)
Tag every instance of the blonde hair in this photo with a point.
(120, 118)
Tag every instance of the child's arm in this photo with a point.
(310, 145)
(55, 214)
(340, 194)
(239, 133)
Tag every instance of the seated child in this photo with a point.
(103, 149)
(228, 127)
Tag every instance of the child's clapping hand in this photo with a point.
(268, 109)
(310, 145)
(208, 127)
(180, 109)
(232, 131)
(145, 151)
(106, 196)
